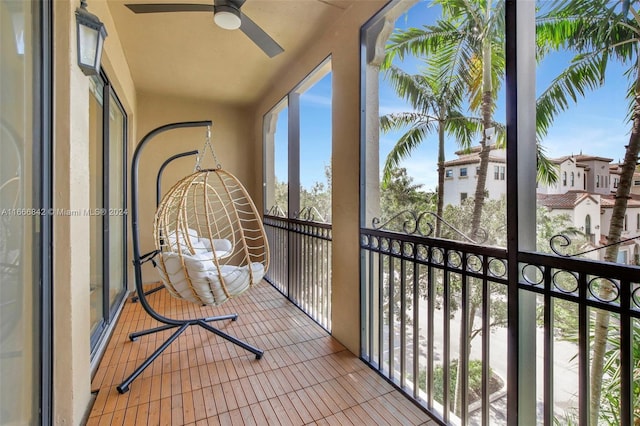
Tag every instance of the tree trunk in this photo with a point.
(611, 254)
(485, 146)
(465, 341)
(440, 178)
(480, 189)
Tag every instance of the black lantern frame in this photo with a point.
(91, 33)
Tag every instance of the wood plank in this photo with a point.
(305, 377)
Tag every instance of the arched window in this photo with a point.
(573, 179)
(564, 178)
(587, 225)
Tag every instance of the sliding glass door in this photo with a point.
(25, 225)
(107, 153)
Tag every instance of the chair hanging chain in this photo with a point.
(207, 143)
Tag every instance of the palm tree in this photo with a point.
(469, 41)
(436, 100)
(600, 32)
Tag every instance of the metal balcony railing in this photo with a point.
(434, 317)
(300, 265)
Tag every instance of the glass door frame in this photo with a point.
(109, 312)
(43, 132)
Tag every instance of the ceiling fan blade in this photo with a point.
(259, 36)
(169, 7)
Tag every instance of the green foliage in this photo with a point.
(281, 206)
(610, 406)
(315, 202)
(549, 225)
(474, 381)
(401, 194)
(493, 220)
(436, 98)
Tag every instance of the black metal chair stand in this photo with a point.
(134, 299)
(181, 325)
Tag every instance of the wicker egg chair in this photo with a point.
(210, 238)
(210, 246)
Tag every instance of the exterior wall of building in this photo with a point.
(570, 178)
(460, 180)
(632, 228)
(635, 185)
(588, 206)
(598, 178)
(461, 183)
(342, 42)
(238, 146)
(72, 365)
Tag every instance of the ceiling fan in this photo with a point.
(226, 14)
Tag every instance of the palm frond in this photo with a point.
(407, 143)
(586, 72)
(402, 120)
(547, 171)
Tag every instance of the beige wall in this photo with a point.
(71, 191)
(231, 136)
(342, 41)
(237, 139)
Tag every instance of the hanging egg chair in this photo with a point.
(210, 238)
(210, 243)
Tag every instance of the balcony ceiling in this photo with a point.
(186, 54)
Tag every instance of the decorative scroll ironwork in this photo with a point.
(276, 211)
(565, 281)
(311, 214)
(604, 289)
(561, 240)
(423, 224)
(635, 298)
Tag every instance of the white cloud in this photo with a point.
(395, 108)
(316, 99)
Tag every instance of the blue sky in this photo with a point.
(315, 135)
(597, 125)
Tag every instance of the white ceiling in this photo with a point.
(186, 54)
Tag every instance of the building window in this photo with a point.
(502, 171)
(496, 172)
(463, 172)
(626, 222)
(597, 181)
(587, 225)
(564, 178)
(448, 173)
(573, 179)
(463, 196)
(638, 221)
(636, 182)
(615, 182)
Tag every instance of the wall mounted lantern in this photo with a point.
(91, 35)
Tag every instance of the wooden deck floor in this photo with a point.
(304, 377)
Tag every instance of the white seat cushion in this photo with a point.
(204, 285)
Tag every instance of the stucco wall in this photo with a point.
(342, 42)
(231, 136)
(72, 367)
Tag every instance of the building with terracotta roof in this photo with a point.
(584, 192)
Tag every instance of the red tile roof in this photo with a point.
(568, 200)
